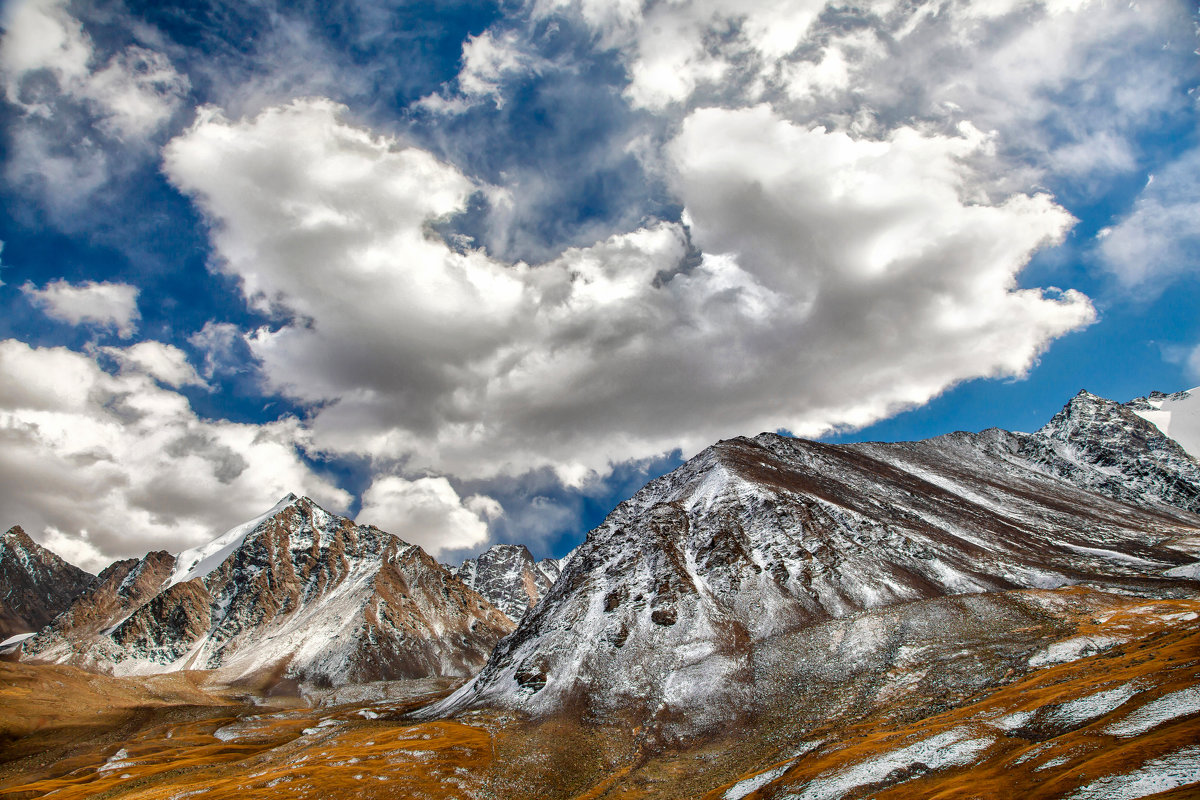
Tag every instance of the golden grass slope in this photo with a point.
(1053, 730)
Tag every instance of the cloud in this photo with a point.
(1069, 86)
(876, 265)
(427, 512)
(98, 304)
(163, 362)
(102, 466)
(487, 59)
(1158, 240)
(132, 94)
(224, 348)
(83, 120)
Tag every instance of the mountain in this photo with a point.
(77, 635)
(37, 584)
(1112, 449)
(1176, 415)
(297, 592)
(675, 606)
(508, 576)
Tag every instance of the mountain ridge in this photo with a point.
(297, 591)
(38, 584)
(667, 599)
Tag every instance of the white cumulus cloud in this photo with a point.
(875, 265)
(96, 303)
(427, 512)
(101, 466)
(83, 118)
(163, 362)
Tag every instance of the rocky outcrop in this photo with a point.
(302, 593)
(35, 584)
(1108, 448)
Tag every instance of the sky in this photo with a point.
(474, 272)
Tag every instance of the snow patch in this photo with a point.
(950, 749)
(1181, 768)
(1186, 571)
(1157, 711)
(1176, 415)
(12, 641)
(1072, 650)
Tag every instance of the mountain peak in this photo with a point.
(39, 584)
(16, 532)
(199, 561)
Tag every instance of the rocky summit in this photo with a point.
(508, 576)
(298, 592)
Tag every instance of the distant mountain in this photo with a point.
(77, 636)
(298, 592)
(673, 607)
(36, 584)
(508, 576)
(1112, 449)
(1176, 415)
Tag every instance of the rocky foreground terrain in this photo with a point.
(977, 615)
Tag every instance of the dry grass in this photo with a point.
(64, 732)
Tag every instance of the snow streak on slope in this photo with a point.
(199, 561)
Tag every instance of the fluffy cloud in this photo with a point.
(81, 116)
(427, 512)
(1069, 85)
(101, 466)
(132, 94)
(99, 304)
(1158, 240)
(874, 264)
(486, 60)
(163, 362)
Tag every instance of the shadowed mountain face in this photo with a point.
(36, 584)
(297, 592)
(671, 607)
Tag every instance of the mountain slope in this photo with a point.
(297, 592)
(37, 585)
(1109, 448)
(668, 603)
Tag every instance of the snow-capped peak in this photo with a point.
(199, 561)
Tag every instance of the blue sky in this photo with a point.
(475, 271)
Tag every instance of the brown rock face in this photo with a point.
(35, 584)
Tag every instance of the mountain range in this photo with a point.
(772, 591)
